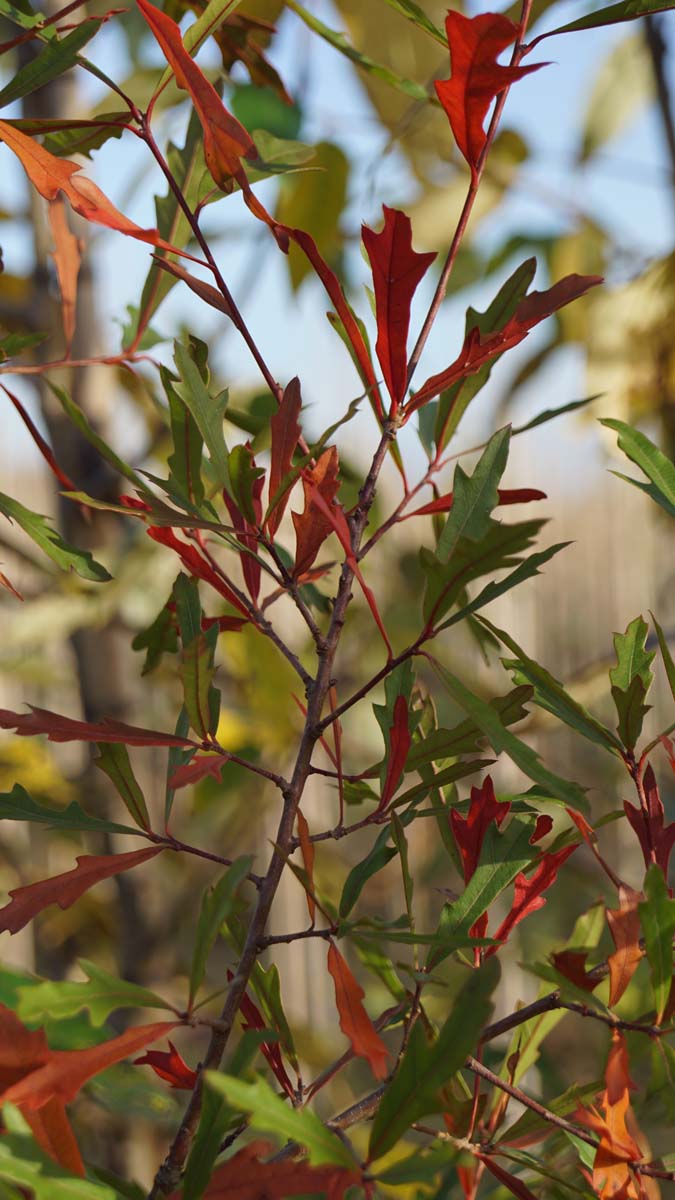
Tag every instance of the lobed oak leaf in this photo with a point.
(624, 926)
(617, 1149)
(469, 831)
(66, 729)
(655, 837)
(246, 1177)
(286, 431)
(65, 889)
(66, 1071)
(397, 271)
(201, 767)
(477, 78)
(479, 349)
(354, 1020)
(527, 892)
(169, 1065)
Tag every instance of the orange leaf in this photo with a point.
(51, 175)
(54, 1134)
(624, 926)
(245, 1177)
(312, 527)
(354, 1020)
(65, 729)
(307, 851)
(67, 1071)
(66, 257)
(286, 431)
(65, 889)
(612, 1176)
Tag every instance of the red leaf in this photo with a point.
(253, 1019)
(9, 586)
(169, 1065)
(41, 444)
(312, 526)
(527, 894)
(653, 834)
(469, 831)
(307, 851)
(54, 1134)
(624, 926)
(399, 745)
(66, 1071)
(477, 78)
(199, 768)
(397, 272)
(572, 964)
(330, 282)
(354, 1020)
(65, 729)
(443, 504)
(196, 565)
(514, 1185)
(543, 825)
(245, 1177)
(479, 349)
(286, 431)
(65, 889)
(205, 291)
(51, 175)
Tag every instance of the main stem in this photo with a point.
(169, 1174)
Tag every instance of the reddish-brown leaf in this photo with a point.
(399, 745)
(542, 826)
(205, 291)
(169, 1065)
(196, 565)
(624, 926)
(397, 272)
(332, 285)
(247, 533)
(40, 442)
(443, 504)
(477, 78)
(354, 1020)
(253, 1019)
(479, 349)
(65, 889)
(51, 175)
(226, 141)
(66, 1071)
(198, 768)
(54, 1134)
(572, 964)
(612, 1176)
(285, 428)
(527, 893)
(649, 824)
(66, 257)
(245, 1177)
(312, 526)
(9, 586)
(65, 729)
(511, 1182)
(307, 851)
(469, 831)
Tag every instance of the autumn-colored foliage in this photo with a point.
(312, 694)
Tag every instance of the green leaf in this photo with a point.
(79, 419)
(657, 467)
(208, 412)
(475, 496)
(270, 1114)
(208, 22)
(401, 843)
(48, 539)
(17, 805)
(503, 741)
(114, 761)
(631, 680)
(563, 1105)
(502, 857)
(217, 1116)
(549, 414)
(197, 671)
(527, 569)
(550, 695)
(413, 12)
(157, 639)
(380, 854)
(424, 1068)
(15, 343)
(243, 476)
(627, 10)
(102, 995)
(464, 738)
(185, 464)
(58, 56)
(339, 42)
(188, 608)
(315, 202)
(176, 758)
(23, 1162)
(217, 904)
(665, 655)
(657, 917)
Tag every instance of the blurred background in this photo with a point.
(582, 175)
